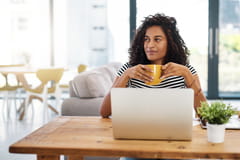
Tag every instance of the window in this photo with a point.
(229, 47)
(24, 32)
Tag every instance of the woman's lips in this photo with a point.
(151, 52)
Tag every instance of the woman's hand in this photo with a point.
(140, 72)
(174, 69)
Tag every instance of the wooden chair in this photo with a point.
(82, 68)
(49, 87)
(8, 87)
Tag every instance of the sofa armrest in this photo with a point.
(81, 106)
(94, 83)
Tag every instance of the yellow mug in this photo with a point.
(156, 74)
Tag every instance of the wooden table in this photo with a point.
(92, 136)
(19, 71)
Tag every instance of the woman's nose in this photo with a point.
(150, 44)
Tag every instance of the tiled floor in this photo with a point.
(11, 129)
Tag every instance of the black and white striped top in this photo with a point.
(170, 82)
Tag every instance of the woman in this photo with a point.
(157, 41)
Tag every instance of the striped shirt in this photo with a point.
(169, 82)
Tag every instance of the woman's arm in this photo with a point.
(199, 97)
(106, 111)
(192, 81)
(137, 72)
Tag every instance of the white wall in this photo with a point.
(77, 39)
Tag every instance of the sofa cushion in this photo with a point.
(98, 84)
(94, 83)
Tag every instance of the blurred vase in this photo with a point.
(216, 132)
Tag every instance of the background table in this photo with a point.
(20, 71)
(92, 136)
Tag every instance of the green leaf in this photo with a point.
(216, 112)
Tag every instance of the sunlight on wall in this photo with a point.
(25, 32)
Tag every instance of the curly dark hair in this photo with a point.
(177, 51)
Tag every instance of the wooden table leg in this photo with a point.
(75, 157)
(48, 157)
(22, 109)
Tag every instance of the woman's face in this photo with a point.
(155, 44)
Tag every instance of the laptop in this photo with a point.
(152, 114)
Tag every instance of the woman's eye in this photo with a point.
(158, 40)
(146, 39)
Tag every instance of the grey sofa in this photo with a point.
(87, 91)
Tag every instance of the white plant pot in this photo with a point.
(216, 132)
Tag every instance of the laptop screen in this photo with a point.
(139, 113)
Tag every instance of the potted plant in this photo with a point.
(216, 114)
